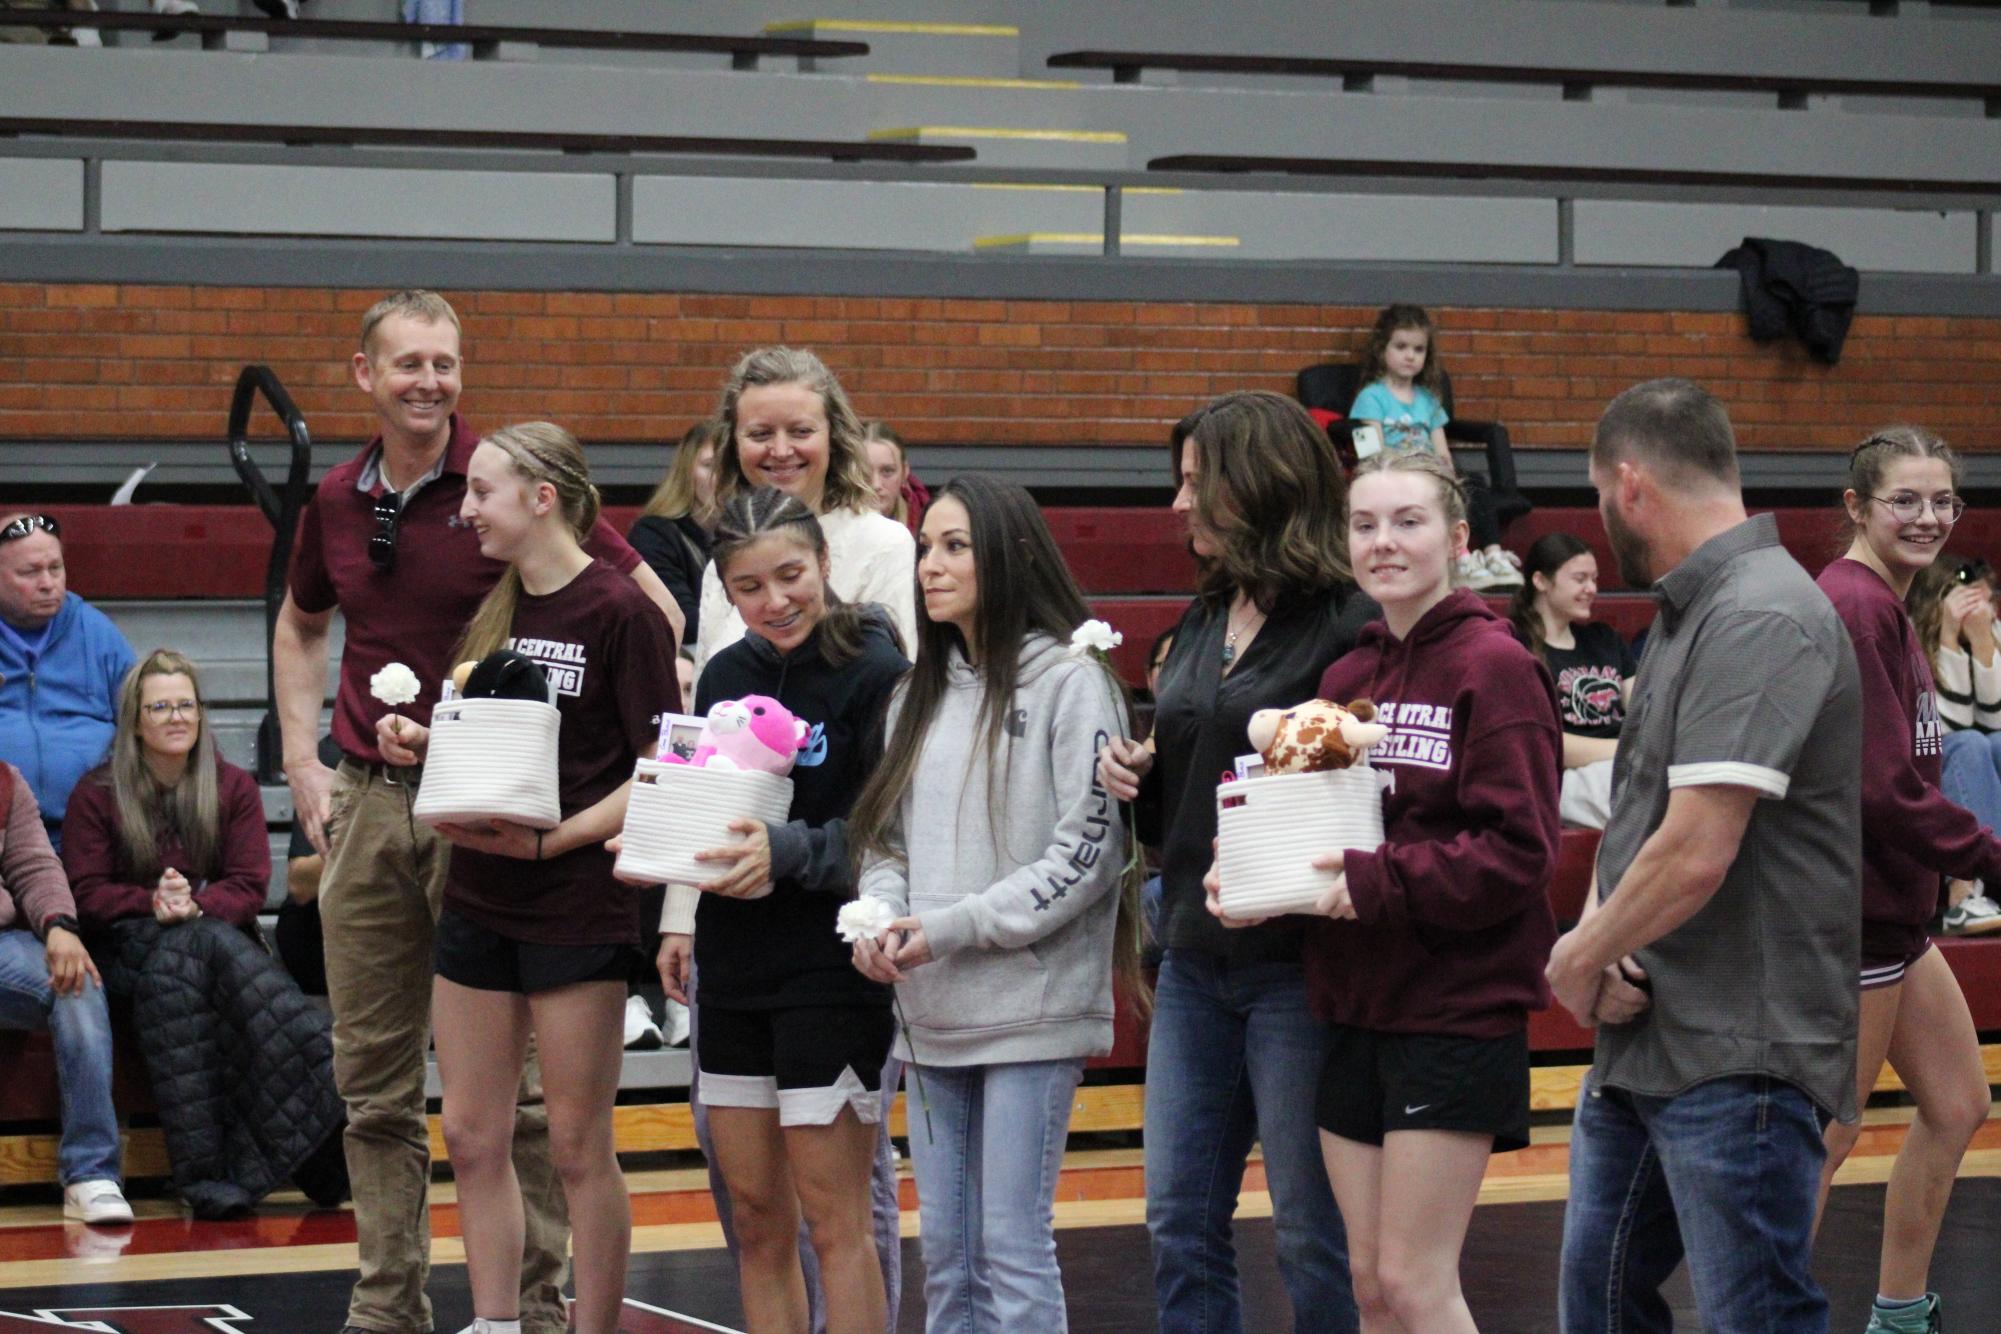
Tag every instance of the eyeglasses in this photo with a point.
(160, 710)
(382, 546)
(29, 523)
(1909, 508)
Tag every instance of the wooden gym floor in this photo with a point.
(286, 1271)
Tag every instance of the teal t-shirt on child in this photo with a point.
(1407, 427)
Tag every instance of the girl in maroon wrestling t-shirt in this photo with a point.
(536, 937)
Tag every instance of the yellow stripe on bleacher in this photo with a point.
(1087, 189)
(1098, 238)
(889, 27)
(1002, 132)
(971, 81)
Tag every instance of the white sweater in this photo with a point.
(870, 558)
(1969, 692)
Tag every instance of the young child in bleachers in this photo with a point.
(1401, 410)
(1594, 668)
(1952, 605)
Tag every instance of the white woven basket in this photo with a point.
(678, 810)
(1269, 830)
(491, 759)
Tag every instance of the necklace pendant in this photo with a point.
(1229, 654)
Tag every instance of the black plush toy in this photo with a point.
(505, 674)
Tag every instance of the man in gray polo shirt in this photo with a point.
(1718, 956)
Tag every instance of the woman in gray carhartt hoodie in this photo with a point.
(986, 830)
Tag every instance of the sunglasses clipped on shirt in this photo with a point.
(30, 523)
(388, 519)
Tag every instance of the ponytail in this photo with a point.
(540, 452)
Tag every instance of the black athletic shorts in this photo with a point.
(807, 1061)
(1374, 1083)
(474, 956)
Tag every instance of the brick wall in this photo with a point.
(158, 362)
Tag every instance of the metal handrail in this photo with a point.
(282, 509)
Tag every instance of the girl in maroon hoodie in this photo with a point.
(1901, 500)
(1435, 953)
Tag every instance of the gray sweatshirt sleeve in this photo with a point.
(1085, 855)
(888, 881)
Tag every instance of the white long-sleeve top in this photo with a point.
(870, 558)
(1969, 691)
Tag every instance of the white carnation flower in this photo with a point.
(394, 684)
(864, 918)
(1094, 637)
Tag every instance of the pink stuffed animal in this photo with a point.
(755, 732)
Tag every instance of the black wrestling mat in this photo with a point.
(1510, 1271)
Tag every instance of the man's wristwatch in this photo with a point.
(63, 920)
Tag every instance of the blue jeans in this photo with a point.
(81, 1029)
(1725, 1173)
(1234, 1057)
(986, 1191)
(1972, 777)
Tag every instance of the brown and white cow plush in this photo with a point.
(1314, 736)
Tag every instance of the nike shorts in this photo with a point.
(1374, 1083)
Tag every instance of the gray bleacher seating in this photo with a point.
(1872, 177)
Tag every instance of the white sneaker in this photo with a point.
(1470, 571)
(1503, 567)
(96, 1202)
(677, 1023)
(176, 7)
(641, 1033)
(484, 1326)
(1976, 915)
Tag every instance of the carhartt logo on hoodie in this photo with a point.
(1420, 736)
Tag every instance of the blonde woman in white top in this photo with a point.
(791, 426)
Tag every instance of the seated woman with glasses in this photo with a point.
(168, 856)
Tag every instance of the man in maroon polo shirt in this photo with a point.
(382, 541)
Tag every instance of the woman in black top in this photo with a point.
(1235, 1054)
(673, 533)
(1594, 668)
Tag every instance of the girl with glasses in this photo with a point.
(167, 853)
(1901, 503)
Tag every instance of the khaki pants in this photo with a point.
(379, 901)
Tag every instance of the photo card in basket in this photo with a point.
(680, 734)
